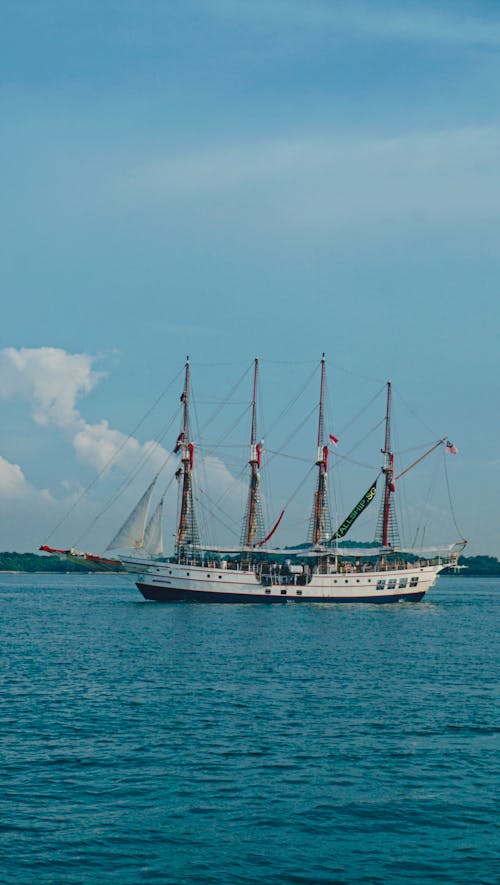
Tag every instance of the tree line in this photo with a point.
(475, 566)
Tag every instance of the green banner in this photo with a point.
(360, 506)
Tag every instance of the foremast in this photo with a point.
(253, 523)
(187, 530)
(387, 534)
(320, 527)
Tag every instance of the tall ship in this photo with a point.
(322, 570)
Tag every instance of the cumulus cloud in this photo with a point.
(14, 485)
(50, 378)
(52, 382)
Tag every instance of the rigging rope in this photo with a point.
(113, 456)
(452, 509)
(294, 400)
(127, 482)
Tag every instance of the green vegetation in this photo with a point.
(475, 566)
(31, 562)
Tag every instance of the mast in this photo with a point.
(253, 523)
(387, 533)
(187, 532)
(320, 523)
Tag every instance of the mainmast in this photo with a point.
(320, 525)
(253, 524)
(387, 533)
(187, 531)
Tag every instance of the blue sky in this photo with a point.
(230, 179)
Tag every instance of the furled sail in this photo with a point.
(153, 538)
(131, 533)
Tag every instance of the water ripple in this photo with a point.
(190, 745)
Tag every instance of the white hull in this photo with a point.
(169, 581)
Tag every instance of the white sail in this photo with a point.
(153, 538)
(131, 534)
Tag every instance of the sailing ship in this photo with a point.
(322, 571)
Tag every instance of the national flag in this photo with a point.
(451, 449)
(334, 439)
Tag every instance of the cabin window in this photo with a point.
(391, 585)
(283, 591)
(380, 585)
(403, 582)
(268, 590)
(414, 581)
(299, 592)
(187, 574)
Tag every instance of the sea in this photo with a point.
(204, 744)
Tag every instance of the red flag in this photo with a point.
(191, 455)
(258, 450)
(334, 439)
(451, 449)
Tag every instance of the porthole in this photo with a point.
(299, 592)
(268, 590)
(347, 580)
(283, 592)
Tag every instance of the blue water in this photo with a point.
(206, 744)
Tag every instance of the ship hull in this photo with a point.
(171, 582)
(172, 594)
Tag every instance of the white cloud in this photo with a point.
(12, 480)
(50, 378)
(14, 485)
(51, 381)
(98, 444)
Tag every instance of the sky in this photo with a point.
(232, 179)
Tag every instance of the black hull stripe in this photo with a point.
(172, 594)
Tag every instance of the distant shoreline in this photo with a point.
(33, 563)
